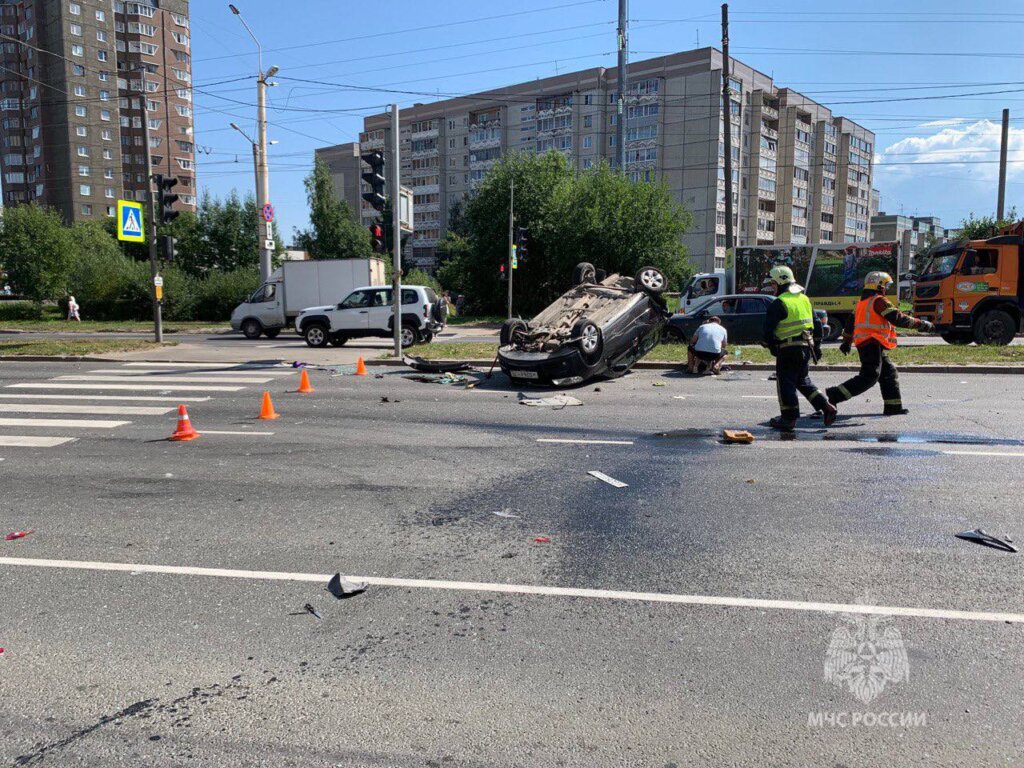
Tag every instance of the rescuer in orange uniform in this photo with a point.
(873, 331)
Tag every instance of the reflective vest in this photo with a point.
(799, 318)
(869, 325)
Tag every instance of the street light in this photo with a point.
(260, 148)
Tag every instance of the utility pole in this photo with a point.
(395, 193)
(620, 121)
(727, 129)
(158, 321)
(511, 236)
(1002, 167)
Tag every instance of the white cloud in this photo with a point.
(970, 149)
(943, 123)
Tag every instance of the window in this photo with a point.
(83, 151)
(108, 173)
(105, 115)
(101, 36)
(588, 121)
(76, 29)
(147, 48)
(79, 90)
(80, 111)
(108, 192)
(588, 142)
(180, 38)
(86, 209)
(104, 77)
(85, 189)
(101, 16)
(78, 69)
(77, 50)
(104, 95)
(108, 154)
(643, 110)
(101, 55)
(141, 29)
(75, 9)
(83, 170)
(81, 131)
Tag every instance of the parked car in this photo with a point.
(368, 312)
(595, 328)
(742, 316)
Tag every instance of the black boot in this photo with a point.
(781, 424)
(895, 410)
(831, 412)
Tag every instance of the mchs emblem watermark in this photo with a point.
(865, 654)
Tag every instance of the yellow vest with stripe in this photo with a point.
(799, 318)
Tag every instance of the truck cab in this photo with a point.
(974, 290)
(263, 312)
(702, 289)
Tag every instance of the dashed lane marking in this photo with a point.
(530, 589)
(583, 442)
(985, 453)
(226, 432)
(33, 441)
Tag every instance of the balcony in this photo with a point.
(764, 194)
(770, 133)
(771, 113)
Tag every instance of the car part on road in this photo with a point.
(310, 609)
(607, 479)
(251, 328)
(431, 366)
(740, 436)
(541, 540)
(17, 535)
(978, 536)
(342, 587)
(505, 513)
(439, 378)
(554, 401)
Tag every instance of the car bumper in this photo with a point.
(236, 325)
(563, 367)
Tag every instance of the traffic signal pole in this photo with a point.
(394, 183)
(263, 174)
(158, 320)
(511, 239)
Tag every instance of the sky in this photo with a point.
(927, 76)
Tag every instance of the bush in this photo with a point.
(20, 310)
(220, 292)
(419, 277)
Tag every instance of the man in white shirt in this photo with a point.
(708, 348)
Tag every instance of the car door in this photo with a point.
(748, 325)
(379, 317)
(351, 314)
(266, 306)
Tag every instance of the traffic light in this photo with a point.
(503, 275)
(522, 237)
(165, 198)
(376, 238)
(375, 178)
(169, 247)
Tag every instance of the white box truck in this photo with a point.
(296, 285)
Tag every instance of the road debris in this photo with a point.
(440, 378)
(342, 587)
(434, 366)
(310, 609)
(17, 535)
(542, 540)
(386, 399)
(978, 536)
(605, 478)
(554, 401)
(658, 384)
(740, 436)
(506, 513)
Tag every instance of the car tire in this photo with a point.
(251, 328)
(339, 340)
(271, 333)
(315, 335)
(995, 327)
(835, 330)
(410, 335)
(590, 340)
(959, 338)
(651, 280)
(509, 329)
(584, 273)
(439, 311)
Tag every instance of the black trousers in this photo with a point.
(793, 375)
(875, 368)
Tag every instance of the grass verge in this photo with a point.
(110, 326)
(939, 354)
(483, 319)
(74, 347)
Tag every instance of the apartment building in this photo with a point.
(72, 102)
(800, 173)
(915, 232)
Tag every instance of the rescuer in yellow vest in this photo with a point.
(789, 332)
(873, 331)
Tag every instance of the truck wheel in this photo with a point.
(315, 335)
(583, 273)
(651, 280)
(409, 335)
(589, 336)
(957, 337)
(271, 333)
(835, 328)
(509, 329)
(251, 328)
(995, 327)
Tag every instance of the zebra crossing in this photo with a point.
(69, 407)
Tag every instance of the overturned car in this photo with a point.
(600, 327)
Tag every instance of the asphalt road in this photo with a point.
(753, 552)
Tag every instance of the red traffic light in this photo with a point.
(377, 238)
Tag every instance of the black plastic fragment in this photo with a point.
(979, 536)
(343, 588)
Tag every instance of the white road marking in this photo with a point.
(607, 479)
(759, 397)
(168, 364)
(129, 387)
(32, 441)
(63, 423)
(90, 410)
(166, 379)
(530, 589)
(121, 373)
(583, 442)
(984, 453)
(119, 398)
(224, 432)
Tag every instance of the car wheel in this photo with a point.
(651, 279)
(315, 335)
(957, 337)
(590, 340)
(271, 333)
(835, 330)
(995, 327)
(509, 329)
(252, 329)
(339, 340)
(584, 273)
(409, 336)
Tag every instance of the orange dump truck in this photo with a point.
(973, 290)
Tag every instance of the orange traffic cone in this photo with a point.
(184, 430)
(267, 411)
(360, 367)
(304, 386)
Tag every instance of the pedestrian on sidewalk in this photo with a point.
(872, 329)
(708, 348)
(789, 332)
(73, 309)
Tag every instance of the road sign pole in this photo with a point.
(158, 321)
(394, 169)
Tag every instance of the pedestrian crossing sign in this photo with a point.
(129, 221)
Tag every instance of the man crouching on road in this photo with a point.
(708, 348)
(873, 330)
(789, 334)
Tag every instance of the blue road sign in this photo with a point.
(129, 222)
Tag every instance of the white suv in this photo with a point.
(368, 312)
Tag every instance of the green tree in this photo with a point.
(981, 227)
(333, 230)
(36, 251)
(419, 277)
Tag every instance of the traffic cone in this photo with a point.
(304, 386)
(360, 367)
(267, 411)
(184, 430)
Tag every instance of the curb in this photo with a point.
(56, 359)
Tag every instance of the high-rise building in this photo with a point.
(72, 102)
(800, 174)
(916, 233)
